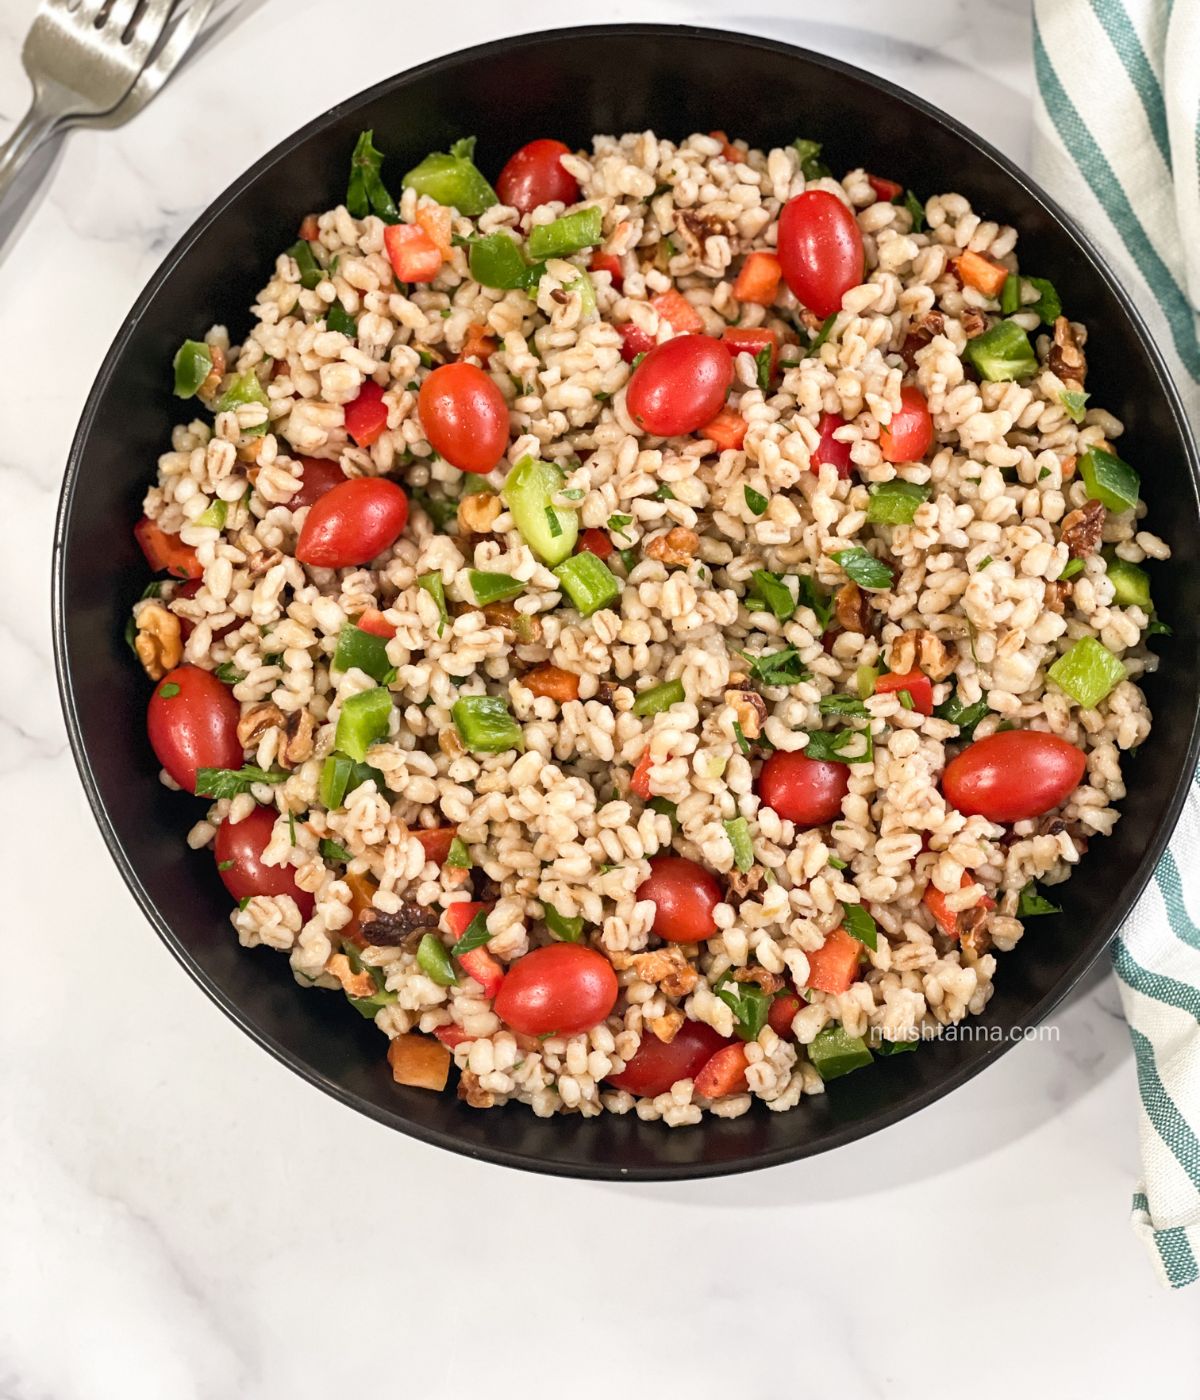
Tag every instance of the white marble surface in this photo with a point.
(182, 1219)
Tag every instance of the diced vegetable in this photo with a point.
(579, 229)
(438, 223)
(1087, 672)
(886, 1047)
(750, 1005)
(436, 842)
(1071, 568)
(479, 344)
(245, 388)
(311, 272)
(724, 1074)
(452, 178)
(458, 855)
(567, 930)
(485, 724)
(1031, 903)
(554, 683)
(496, 261)
(896, 502)
(340, 776)
(865, 680)
(885, 191)
(1048, 305)
(1010, 294)
(493, 588)
(373, 621)
(193, 364)
(414, 256)
(588, 582)
(528, 492)
(1109, 480)
(761, 344)
(1003, 352)
(434, 586)
(1075, 402)
(915, 685)
(758, 281)
(639, 783)
(362, 649)
(859, 924)
(862, 566)
(834, 965)
(434, 961)
(1131, 585)
(610, 263)
(981, 272)
(738, 831)
(674, 308)
(367, 414)
(916, 209)
(467, 921)
(366, 193)
(727, 430)
(363, 722)
(809, 155)
(659, 698)
(833, 1052)
(485, 969)
(419, 1062)
(214, 517)
(946, 919)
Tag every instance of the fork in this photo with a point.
(82, 60)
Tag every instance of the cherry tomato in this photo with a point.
(366, 415)
(353, 523)
(559, 989)
(820, 250)
(684, 896)
(680, 385)
(238, 848)
(535, 175)
(166, 553)
(635, 342)
(597, 542)
(317, 475)
(656, 1066)
(783, 1012)
(724, 1074)
(807, 791)
(464, 417)
(883, 189)
(193, 725)
(831, 449)
(753, 339)
(1014, 775)
(909, 435)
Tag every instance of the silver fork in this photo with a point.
(83, 57)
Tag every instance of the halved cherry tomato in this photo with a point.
(977, 270)
(414, 256)
(727, 430)
(639, 784)
(834, 966)
(684, 895)
(193, 725)
(435, 841)
(1014, 775)
(657, 1065)
(485, 969)
(635, 342)
(597, 542)
(919, 689)
(560, 989)
(366, 416)
(610, 263)
(752, 339)
(820, 250)
(534, 175)
(679, 313)
(166, 553)
(353, 523)
(885, 190)
(807, 791)
(373, 621)
(464, 417)
(724, 1074)
(783, 1012)
(831, 449)
(238, 848)
(946, 919)
(758, 281)
(317, 475)
(680, 385)
(909, 435)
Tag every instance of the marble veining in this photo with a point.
(183, 1219)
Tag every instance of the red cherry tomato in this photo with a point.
(597, 542)
(238, 849)
(562, 988)
(783, 1012)
(535, 175)
(884, 190)
(610, 263)
(1014, 775)
(917, 686)
(353, 523)
(684, 896)
(635, 342)
(831, 449)
(752, 339)
(680, 385)
(166, 553)
(193, 725)
(656, 1066)
(807, 791)
(366, 415)
(820, 250)
(464, 417)
(317, 475)
(909, 435)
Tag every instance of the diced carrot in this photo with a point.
(309, 228)
(610, 263)
(639, 784)
(946, 919)
(480, 964)
(436, 222)
(834, 966)
(414, 256)
(419, 1062)
(919, 689)
(166, 553)
(373, 621)
(752, 339)
(361, 891)
(459, 916)
(479, 345)
(783, 1012)
(435, 842)
(727, 430)
(554, 682)
(728, 150)
(596, 542)
(677, 311)
(453, 1035)
(724, 1074)
(885, 190)
(981, 272)
(758, 280)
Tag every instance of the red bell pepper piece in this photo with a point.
(414, 256)
(366, 416)
(834, 966)
(831, 449)
(885, 190)
(610, 263)
(919, 688)
(597, 542)
(724, 1074)
(166, 553)
(752, 339)
(480, 964)
(373, 621)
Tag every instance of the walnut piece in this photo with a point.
(677, 546)
(297, 745)
(750, 709)
(668, 968)
(853, 608)
(1083, 529)
(478, 512)
(262, 560)
(212, 382)
(973, 323)
(768, 981)
(744, 882)
(471, 1092)
(1056, 596)
(1066, 358)
(256, 721)
(936, 659)
(158, 643)
(524, 626)
(974, 936)
(695, 228)
(667, 1026)
(902, 653)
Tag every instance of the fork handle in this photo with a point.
(34, 127)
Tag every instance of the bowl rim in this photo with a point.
(841, 1134)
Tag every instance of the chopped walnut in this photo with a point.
(973, 323)
(403, 929)
(212, 381)
(524, 626)
(478, 512)
(667, 1026)
(902, 653)
(354, 984)
(158, 643)
(263, 560)
(1056, 596)
(744, 882)
(677, 546)
(1083, 529)
(974, 937)
(935, 657)
(450, 743)
(1066, 358)
(750, 709)
(605, 692)
(667, 968)
(299, 729)
(922, 332)
(472, 1092)
(695, 228)
(256, 721)
(768, 981)
(853, 608)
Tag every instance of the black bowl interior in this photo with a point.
(571, 84)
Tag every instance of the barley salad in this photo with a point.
(645, 631)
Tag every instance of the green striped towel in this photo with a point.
(1117, 142)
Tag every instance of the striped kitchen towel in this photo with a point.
(1117, 142)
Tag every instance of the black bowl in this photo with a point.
(570, 84)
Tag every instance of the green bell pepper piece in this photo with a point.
(363, 722)
(1003, 352)
(658, 698)
(485, 724)
(1109, 480)
(588, 582)
(192, 365)
(528, 491)
(1131, 585)
(452, 178)
(580, 229)
(834, 1053)
(496, 261)
(434, 961)
(363, 650)
(493, 588)
(1087, 672)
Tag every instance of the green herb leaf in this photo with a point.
(965, 716)
(983, 563)
(666, 807)
(311, 271)
(916, 209)
(836, 862)
(434, 961)
(1048, 305)
(458, 855)
(224, 865)
(564, 929)
(228, 673)
(333, 850)
(1010, 294)
(896, 502)
(775, 594)
(776, 667)
(842, 705)
(830, 745)
(749, 1003)
(168, 691)
(337, 318)
(861, 566)
(617, 524)
(822, 335)
(762, 366)
(1031, 903)
(859, 924)
(739, 734)
(811, 165)
(229, 782)
(664, 493)
(811, 597)
(1071, 569)
(366, 192)
(756, 501)
(475, 935)
(433, 585)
